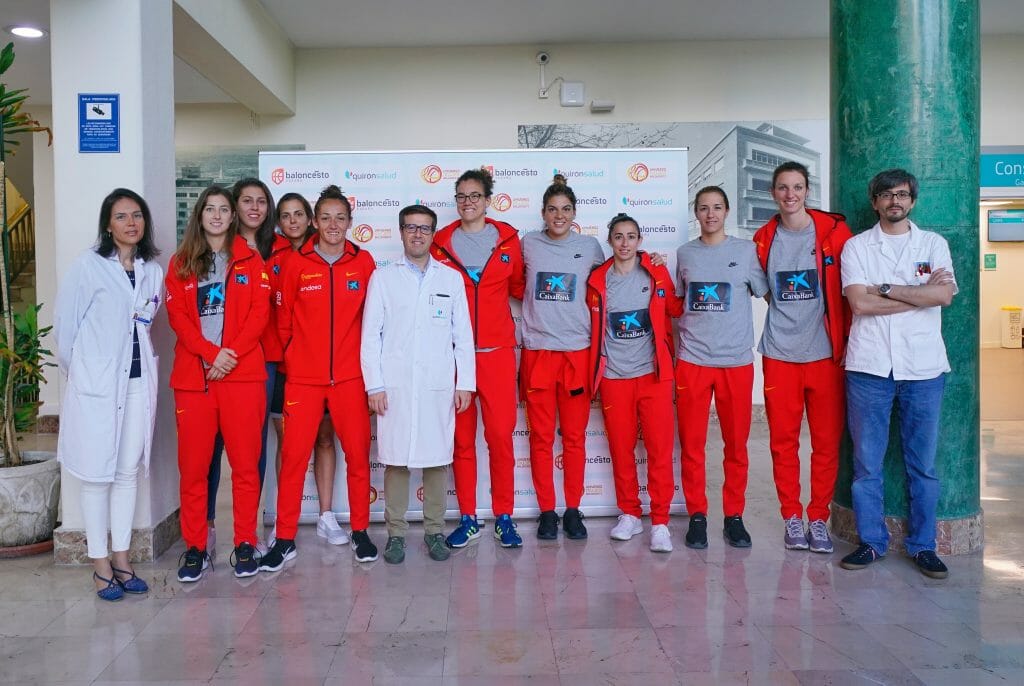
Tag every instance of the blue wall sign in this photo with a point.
(99, 122)
(1002, 170)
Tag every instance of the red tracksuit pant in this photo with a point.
(236, 410)
(788, 388)
(732, 388)
(647, 401)
(303, 411)
(555, 380)
(496, 389)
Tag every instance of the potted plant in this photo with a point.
(29, 482)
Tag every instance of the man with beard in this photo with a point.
(897, 277)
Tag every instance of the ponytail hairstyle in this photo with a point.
(332, 192)
(618, 219)
(265, 233)
(194, 256)
(483, 175)
(559, 187)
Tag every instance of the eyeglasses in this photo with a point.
(417, 228)
(889, 195)
(472, 197)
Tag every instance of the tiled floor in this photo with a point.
(565, 612)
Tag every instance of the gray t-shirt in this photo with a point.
(474, 249)
(794, 330)
(210, 297)
(629, 339)
(555, 313)
(716, 282)
(329, 259)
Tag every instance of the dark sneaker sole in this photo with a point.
(190, 579)
(246, 572)
(548, 535)
(736, 544)
(576, 536)
(290, 555)
(933, 574)
(698, 545)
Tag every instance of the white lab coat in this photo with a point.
(417, 339)
(93, 325)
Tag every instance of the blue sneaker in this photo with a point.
(245, 560)
(196, 562)
(467, 530)
(505, 532)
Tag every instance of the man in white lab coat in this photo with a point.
(418, 362)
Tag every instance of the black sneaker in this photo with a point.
(572, 524)
(366, 551)
(860, 558)
(196, 561)
(547, 530)
(282, 551)
(244, 560)
(930, 564)
(697, 534)
(735, 533)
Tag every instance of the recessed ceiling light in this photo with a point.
(25, 31)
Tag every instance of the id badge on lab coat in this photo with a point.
(440, 308)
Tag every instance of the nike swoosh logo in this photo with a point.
(179, 412)
(607, 407)
(289, 403)
(351, 273)
(769, 388)
(680, 388)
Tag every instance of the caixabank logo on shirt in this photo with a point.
(555, 287)
(709, 296)
(629, 325)
(797, 285)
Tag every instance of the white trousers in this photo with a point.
(111, 506)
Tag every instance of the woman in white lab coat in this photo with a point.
(104, 310)
(419, 367)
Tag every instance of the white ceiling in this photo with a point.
(415, 23)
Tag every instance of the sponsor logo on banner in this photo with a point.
(506, 173)
(419, 494)
(596, 432)
(522, 463)
(579, 173)
(502, 202)
(280, 175)
(590, 230)
(658, 228)
(365, 204)
(363, 233)
(593, 200)
(640, 172)
(373, 495)
(576, 227)
(524, 491)
(435, 204)
(376, 466)
(431, 173)
(451, 491)
(383, 263)
(647, 202)
(593, 489)
(356, 175)
(559, 461)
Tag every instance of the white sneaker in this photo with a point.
(211, 542)
(628, 527)
(661, 538)
(327, 527)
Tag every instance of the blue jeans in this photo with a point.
(869, 401)
(213, 478)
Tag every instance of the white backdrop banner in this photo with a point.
(648, 184)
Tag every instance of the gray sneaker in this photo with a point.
(436, 547)
(394, 550)
(796, 538)
(818, 537)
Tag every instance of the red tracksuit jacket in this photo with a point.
(246, 310)
(273, 351)
(501, 277)
(320, 314)
(665, 304)
(831, 234)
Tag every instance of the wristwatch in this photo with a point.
(885, 289)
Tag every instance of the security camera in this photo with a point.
(543, 58)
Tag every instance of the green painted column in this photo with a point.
(905, 92)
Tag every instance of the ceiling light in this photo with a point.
(25, 31)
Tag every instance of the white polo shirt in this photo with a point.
(908, 344)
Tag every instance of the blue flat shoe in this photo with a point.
(113, 590)
(132, 584)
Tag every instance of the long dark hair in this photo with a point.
(264, 234)
(287, 197)
(146, 247)
(194, 257)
